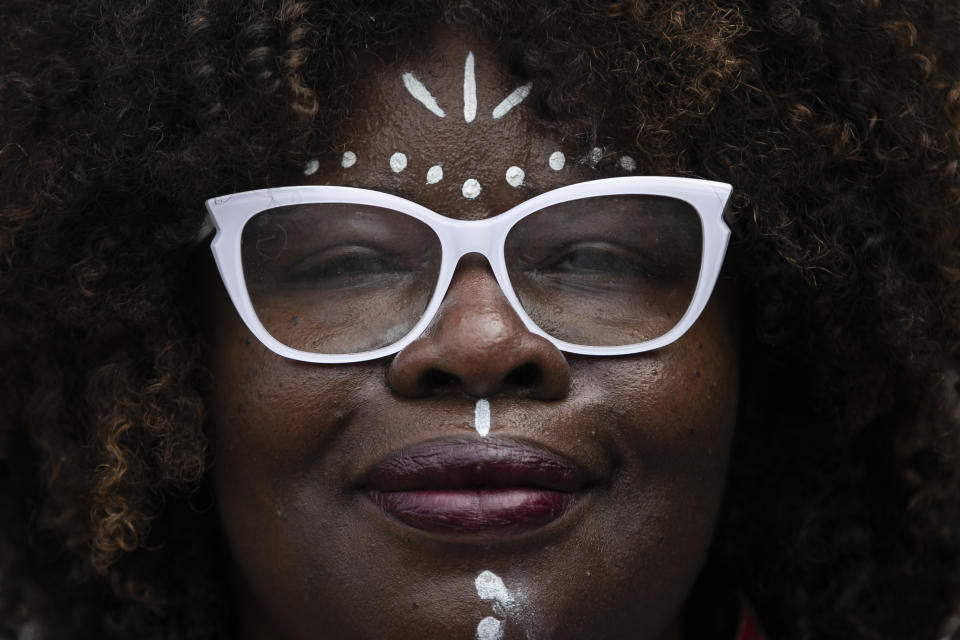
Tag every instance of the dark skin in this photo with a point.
(291, 441)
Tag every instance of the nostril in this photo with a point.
(436, 379)
(526, 375)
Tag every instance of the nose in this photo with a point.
(478, 346)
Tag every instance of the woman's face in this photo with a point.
(315, 465)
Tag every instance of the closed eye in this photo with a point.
(346, 264)
(601, 260)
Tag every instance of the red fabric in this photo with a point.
(749, 627)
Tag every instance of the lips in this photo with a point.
(475, 486)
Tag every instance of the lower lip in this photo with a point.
(497, 511)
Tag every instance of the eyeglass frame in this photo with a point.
(229, 214)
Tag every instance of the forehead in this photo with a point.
(451, 128)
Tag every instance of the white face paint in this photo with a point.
(398, 162)
(517, 96)
(557, 160)
(469, 90)
(311, 167)
(490, 628)
(434, 174)
(420, 92)
(471, 189)
(481, 417)
(515, 176)
(417, 89)
(490, 587)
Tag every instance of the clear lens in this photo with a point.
(338, 278)
(607, 270)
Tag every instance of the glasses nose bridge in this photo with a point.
(460, 237)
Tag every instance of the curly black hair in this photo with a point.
(837, 121)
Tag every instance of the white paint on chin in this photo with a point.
(490, 628)
(471, 189)
(398, 162)
(490, 587)
(481, 417)
(469, 89)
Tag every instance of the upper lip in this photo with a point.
(471, 464)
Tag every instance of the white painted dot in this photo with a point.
(481, 417)
(471, 189)
(310, 168)
(515, 176)
(628, 163)
(490, 629)
(490, 587)
(434, 174)
(398, 162)
(596, 155)
(348, 160)
(557, 160)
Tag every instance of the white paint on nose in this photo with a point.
(481, 420)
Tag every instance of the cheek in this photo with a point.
(675, 414)
(271, 423)
(679, 407)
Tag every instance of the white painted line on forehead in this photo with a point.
(469, 89)
(420, 92)
(628, 163)
(434, 174)
(348, 160)
(515, 176)
(481, 417)
(471, 189)
(557, 160)
(310, 168)
(516, 97)
(398, 162)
